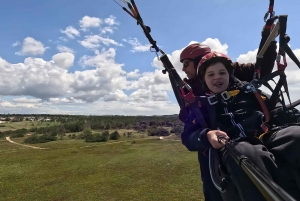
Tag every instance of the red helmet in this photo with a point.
(213, 57)
(194, 51)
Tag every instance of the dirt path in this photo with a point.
(24, 145)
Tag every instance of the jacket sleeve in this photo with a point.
(194, 137)
(246, 71)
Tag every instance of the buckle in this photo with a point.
(212, 100)
(225, 95)
(249, 88)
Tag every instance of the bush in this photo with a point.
(72, 136)
(157, 131)
(101, 137)
(162, 132)
(105, 136)
(177, 129)
(15, 135)
(86, 134)
(34, 139)
(114, 136)
(18, 133)
(89, 138)
(152, 131)
(33, 129)
(97, 137)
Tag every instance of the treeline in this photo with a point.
(153, 125)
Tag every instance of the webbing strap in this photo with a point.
(282, 40)
(274, 97)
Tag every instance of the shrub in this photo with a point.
(157, 131)
(162, 132)
(86, 134)
(114, 136)
(152, 131)
(34, 139)
(71, 136)
(105, 136)
(177, 129)
(97, 137)
(129, 134)
(18, 133)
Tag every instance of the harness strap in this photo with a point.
(267, 37)
(252, 87)
(274, 97)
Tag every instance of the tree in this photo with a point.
(129, 134)
(105, 136)
(162, 132)
(152, 131)
(114, 136)
(86, 134)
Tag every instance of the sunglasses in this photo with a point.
(186, 63)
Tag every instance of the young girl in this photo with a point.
(238, 112)
(238, 115)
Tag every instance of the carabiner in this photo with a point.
(281, 67)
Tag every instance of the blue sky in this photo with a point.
(90, 57)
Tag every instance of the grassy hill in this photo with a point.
(71, 170)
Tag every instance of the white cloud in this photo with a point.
(101, 59)
(153, 93)
(25, 100)
(136, 45)
(107, 30)
(35, 77)
(63, 59)
(17, 106)
(41, 86)
(62, 48)
(94, 41)
(148, 79)
(107, 77)
(17, 43)
(91, 41)
(111, 20)
(292, 71)
(70, 32)
(159, 95)
(140, 95)
(214, 44)
(62, 38)
(108, 41)
(249, 57)
(133, 74)
(31, 46)
(118, 95)
(60, 101)
(86, 22)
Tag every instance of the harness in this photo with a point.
(278, 30)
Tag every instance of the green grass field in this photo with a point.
(71, 170)
(25, 124)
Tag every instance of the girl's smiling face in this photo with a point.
(217, 78)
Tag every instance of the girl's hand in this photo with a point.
(212, 137)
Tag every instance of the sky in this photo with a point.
(90, 57)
